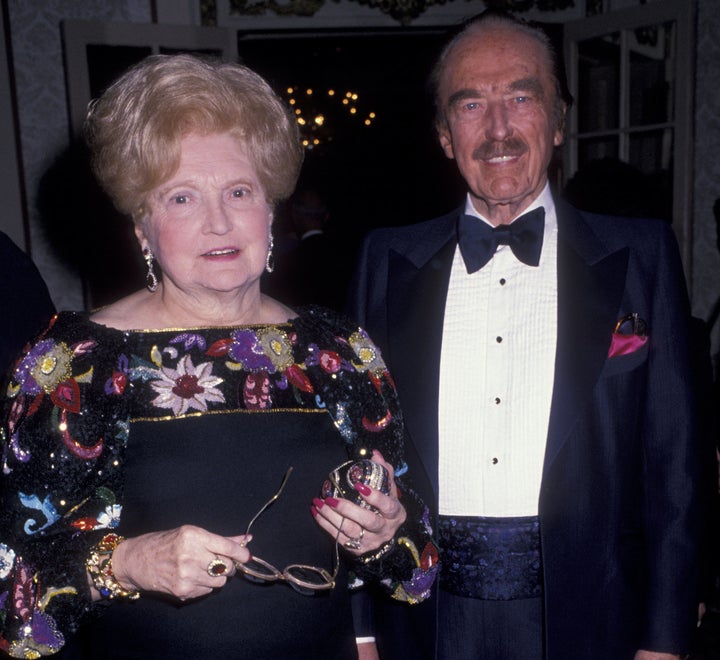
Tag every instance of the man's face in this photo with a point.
(499, 99)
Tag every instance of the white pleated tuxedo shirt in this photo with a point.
(496, 379)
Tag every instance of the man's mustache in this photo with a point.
(510, 148)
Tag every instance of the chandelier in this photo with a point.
(320, 113)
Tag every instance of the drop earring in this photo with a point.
(151, 280)
(269, 260)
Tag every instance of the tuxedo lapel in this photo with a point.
(591, 282)
(416, 308)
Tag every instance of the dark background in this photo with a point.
(390, 173)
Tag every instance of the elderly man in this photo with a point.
(540, 357)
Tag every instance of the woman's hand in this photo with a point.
(363, 530)
(178, 561)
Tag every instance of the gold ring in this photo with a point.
(217, 568)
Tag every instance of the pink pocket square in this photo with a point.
(630, 335)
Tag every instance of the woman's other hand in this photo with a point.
(363, 530)
(183, 562)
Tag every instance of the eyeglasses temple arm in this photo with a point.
(271, 500)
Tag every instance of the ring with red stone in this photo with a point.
(217, 568)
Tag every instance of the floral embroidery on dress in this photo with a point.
(45, 507)
(107, 519)
(117, 383)
(47, 369)
(66, 433)
(370, 358)
(7, 559)
(46, 366)
(276, 346)
(245, 348)
(39, 634)
(187, 387)
(190, 340)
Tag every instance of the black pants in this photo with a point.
(474, 629)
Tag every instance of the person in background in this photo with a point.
(26, 302)
(540, 356)
(316, 268)
(163, 456)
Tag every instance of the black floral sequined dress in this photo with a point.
(140, 431)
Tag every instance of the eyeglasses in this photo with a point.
(304, 579)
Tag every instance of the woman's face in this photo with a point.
(208, 225)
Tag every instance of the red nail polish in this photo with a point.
(362, 488)
(313, 510)
(318, 503)
(332, 501)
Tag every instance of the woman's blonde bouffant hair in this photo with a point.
(135, 128)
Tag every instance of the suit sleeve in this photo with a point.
(672, 457)
(355, 307)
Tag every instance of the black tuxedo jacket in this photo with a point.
(618, 507)
(24, 299)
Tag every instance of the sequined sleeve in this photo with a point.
(363, 402)
(59, 465)
(65, 432)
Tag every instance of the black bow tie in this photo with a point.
(479, 241)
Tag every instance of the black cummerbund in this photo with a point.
(490, 558)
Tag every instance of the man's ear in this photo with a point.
(559, 136)
(446, 142)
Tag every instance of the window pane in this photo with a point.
(593, 149)
(599, 83)
(651, 152)
(652, 62)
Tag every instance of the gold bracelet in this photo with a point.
(99, 566)
(380, 552)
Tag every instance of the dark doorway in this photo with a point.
(388, 171)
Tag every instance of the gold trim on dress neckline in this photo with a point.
(200, 413)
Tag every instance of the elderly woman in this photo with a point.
(150, 447)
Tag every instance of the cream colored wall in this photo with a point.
(42, 111)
